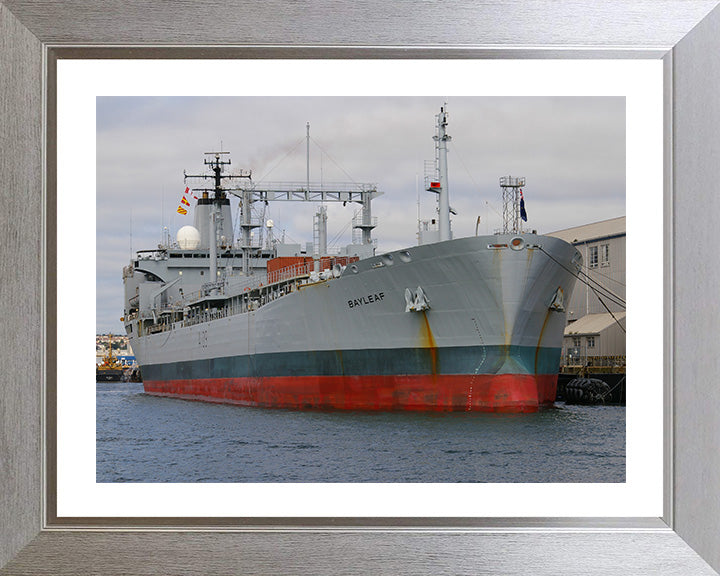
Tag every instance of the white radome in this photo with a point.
(188, 238)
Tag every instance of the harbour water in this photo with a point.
(141, 438)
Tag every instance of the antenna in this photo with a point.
(217, 166)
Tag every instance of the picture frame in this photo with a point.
(684, 541)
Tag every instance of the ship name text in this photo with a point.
(369, 299)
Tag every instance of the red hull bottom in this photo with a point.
(465, 392)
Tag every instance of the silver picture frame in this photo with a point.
(34, 36)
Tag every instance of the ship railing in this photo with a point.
(585, 363)
(210, 286)
(156, 254)
(204, 316)
(614, 361)
(237, 285)
(289, 273)
(358, 222)
(301, 270)
(243, 284)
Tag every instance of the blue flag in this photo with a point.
(523, 214)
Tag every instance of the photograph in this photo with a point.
(383, 289)
(355, 284)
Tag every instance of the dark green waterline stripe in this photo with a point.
(375, 362)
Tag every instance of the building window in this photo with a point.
(605, 255)
(591, 341)
(593, 256)
(576, 342)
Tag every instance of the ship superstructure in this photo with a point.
(452, 324)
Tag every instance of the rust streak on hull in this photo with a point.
(427, 340)
(542, 331)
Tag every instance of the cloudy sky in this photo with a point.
(571, 150)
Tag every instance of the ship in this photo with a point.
(450, 324)
(110, 370)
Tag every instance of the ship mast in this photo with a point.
(441, 187)
(444, 195)
(218, 199)
(213, 211)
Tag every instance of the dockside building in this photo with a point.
(596, 312)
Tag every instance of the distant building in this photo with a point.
(595, 337)
(596, 311)
(121, 346)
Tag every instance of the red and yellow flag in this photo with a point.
(183, 200)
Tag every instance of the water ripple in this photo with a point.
(142, 438)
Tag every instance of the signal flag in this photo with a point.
(523, 214)
(183, 200)
(181, 210)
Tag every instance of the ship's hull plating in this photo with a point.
(452, 392)
(109, 375)
(489, 341)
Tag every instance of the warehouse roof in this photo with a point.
(594, 323)
(594, 231)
